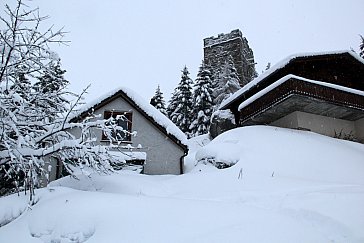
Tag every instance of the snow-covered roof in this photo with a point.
(287, 77)
(149, 110)
(278, 66)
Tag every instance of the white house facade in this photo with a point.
(155, 142)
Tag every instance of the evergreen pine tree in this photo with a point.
(158, 101)
(202, 100)
(52, 80)
(361, 47)
(226, 82)
(50, 86)
(180, 107)
(172, 104)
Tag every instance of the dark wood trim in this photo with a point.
(298, 87)
(342, 69)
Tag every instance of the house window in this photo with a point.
(122, 119)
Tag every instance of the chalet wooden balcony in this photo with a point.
(295, 94)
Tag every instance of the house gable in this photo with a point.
(164, 144)
(166, 127)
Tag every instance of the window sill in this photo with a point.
(107, 141)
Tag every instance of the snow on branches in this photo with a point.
(158, 101)
(180, 105)
(23, 45)
(202, 103)
(35, 110)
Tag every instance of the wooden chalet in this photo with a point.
(322, 92)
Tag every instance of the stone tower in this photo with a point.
(217, 50)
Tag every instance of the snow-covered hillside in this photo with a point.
(286, 186)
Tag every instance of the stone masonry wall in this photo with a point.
(217, 49)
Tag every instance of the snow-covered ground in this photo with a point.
(286, 186)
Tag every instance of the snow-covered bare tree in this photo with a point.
(34, 112)
(179, 109)
(361, 47)
(202, 103)
(226, 82)
(158, 101)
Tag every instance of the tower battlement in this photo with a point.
(210, 41)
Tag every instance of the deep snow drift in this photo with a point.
(286, 186)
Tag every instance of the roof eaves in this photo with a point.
(225, 104)
(291, 76)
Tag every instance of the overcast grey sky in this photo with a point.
(140, 44)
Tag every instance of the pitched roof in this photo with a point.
(159, 120)
(259, 82)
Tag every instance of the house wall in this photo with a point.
(326, 125)
(359, 127)
(323, 125)
(163, 155)
(289, 121)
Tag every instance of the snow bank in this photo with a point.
(265, 150)
(194, 144)
(12, 208)
(316, 194)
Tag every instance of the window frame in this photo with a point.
(129, 118)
